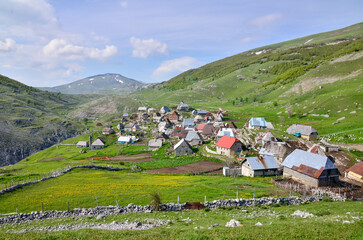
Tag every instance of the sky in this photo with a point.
(45, 43)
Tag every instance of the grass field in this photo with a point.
(80, 187)
(277, 224)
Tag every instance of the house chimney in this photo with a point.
(90, 141)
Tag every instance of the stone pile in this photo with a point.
(112, 226)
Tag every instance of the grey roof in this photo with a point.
(258, 121)
(129, 125)
(193, 135)
(303, 129)
(225, 132)
(266, 162)
(155, 143)
(98, 142)
(298, 157)
(188, 122)
(202, 112)
(83, 143)
(182, 142)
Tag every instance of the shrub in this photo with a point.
(155, 201)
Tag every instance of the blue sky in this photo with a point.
(52, 42)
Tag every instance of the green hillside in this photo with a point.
(317, 81)
(32, 119)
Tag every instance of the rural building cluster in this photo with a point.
(251, 150)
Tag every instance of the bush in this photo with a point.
(155, 201)
(206, 210)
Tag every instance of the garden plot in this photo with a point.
(142, 157)
(198, 167)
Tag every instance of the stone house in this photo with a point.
(183, 148)
(310, 168)
(306, 132)
(260, 166)
(228, 146)
(98, 144)
(280, 150)
(194, 138)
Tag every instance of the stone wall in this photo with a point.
(131, 208)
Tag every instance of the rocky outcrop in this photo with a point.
(18, 142)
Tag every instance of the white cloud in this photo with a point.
(62, 48)
(123, 4)
(8, 45)
(144, 48)
(266, 20)
(176, 65)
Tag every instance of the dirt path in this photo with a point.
(198, 167)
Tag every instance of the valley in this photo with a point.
(217, 133)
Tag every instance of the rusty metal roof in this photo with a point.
(312, 172)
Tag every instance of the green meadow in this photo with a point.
(80, 187)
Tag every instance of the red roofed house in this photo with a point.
(355, 172)
(174, 117)
(228, 145)
(201, 126)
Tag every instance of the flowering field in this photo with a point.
(80, 188)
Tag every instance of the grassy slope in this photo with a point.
(266, 78)
(277, 224)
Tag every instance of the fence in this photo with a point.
(309, 190)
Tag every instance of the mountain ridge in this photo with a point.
(99, 84)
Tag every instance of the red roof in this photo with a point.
(357, 168)
(227, 142)
(201, 126)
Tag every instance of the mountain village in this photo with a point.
(251, 151)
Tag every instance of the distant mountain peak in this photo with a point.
(100, 84)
